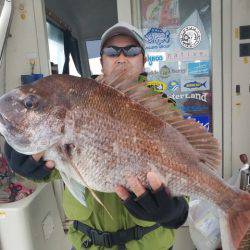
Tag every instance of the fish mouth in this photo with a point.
(4, 120)
(8, 125)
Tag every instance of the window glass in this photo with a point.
(93, 49)
(56, 46)
(177, 36)
(72, 68)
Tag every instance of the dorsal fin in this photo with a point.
(162, 107)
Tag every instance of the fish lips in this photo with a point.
(3, 120)
(7, 125)
(11, 133)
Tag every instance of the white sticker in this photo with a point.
(190, 37)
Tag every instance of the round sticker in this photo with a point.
(165, 71)
(190, 37)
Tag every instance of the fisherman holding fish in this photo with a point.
(144, 217)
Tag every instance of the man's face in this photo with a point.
(110, 63)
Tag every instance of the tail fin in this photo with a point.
(238, 224)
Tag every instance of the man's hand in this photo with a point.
(154, 205)
(38, 156)
(49, 164)
(137, 187)
(32, 167)
(123, 74)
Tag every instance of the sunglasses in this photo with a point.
(128, 51)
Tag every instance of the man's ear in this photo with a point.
(144, 59)
(101, 61)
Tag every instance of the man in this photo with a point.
(144, 217)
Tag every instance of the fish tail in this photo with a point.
(204, 84)
(238, 223)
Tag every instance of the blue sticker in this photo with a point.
(199, 68)
(194, 108)
(157, 38)
(204, 120)
(154, 58)
(195, 84)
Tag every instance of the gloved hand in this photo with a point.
(26, 165)
(155, 204)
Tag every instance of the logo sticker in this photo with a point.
(196, 84)
(187, 55)
(199, 68)
(204, 120)
(164, 71)
(195, 96)
(190, 37)
(194, 109)
(157, 38)
(154, 58)
(173, 85)
(171, 68)
(157, 86)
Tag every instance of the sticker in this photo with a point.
(160, 13)
(197, 103)
(196, 96)
(156, 57)
(173, 85)
(171, 68)
(153, 59)
(195, 84)
(190, 37)
(170, 16)
(204, 120)
(152, 75)
(157, 38)
(157, 86)
(194, 108)
(187, 55)
(164, 71)
(198, 68)
(2, 214)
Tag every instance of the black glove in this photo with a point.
(25, 165)
(158, 206)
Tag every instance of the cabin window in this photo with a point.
(56, 47)
(93, 49)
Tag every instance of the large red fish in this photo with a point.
(99, 134)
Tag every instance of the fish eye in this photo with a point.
(30, 102)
